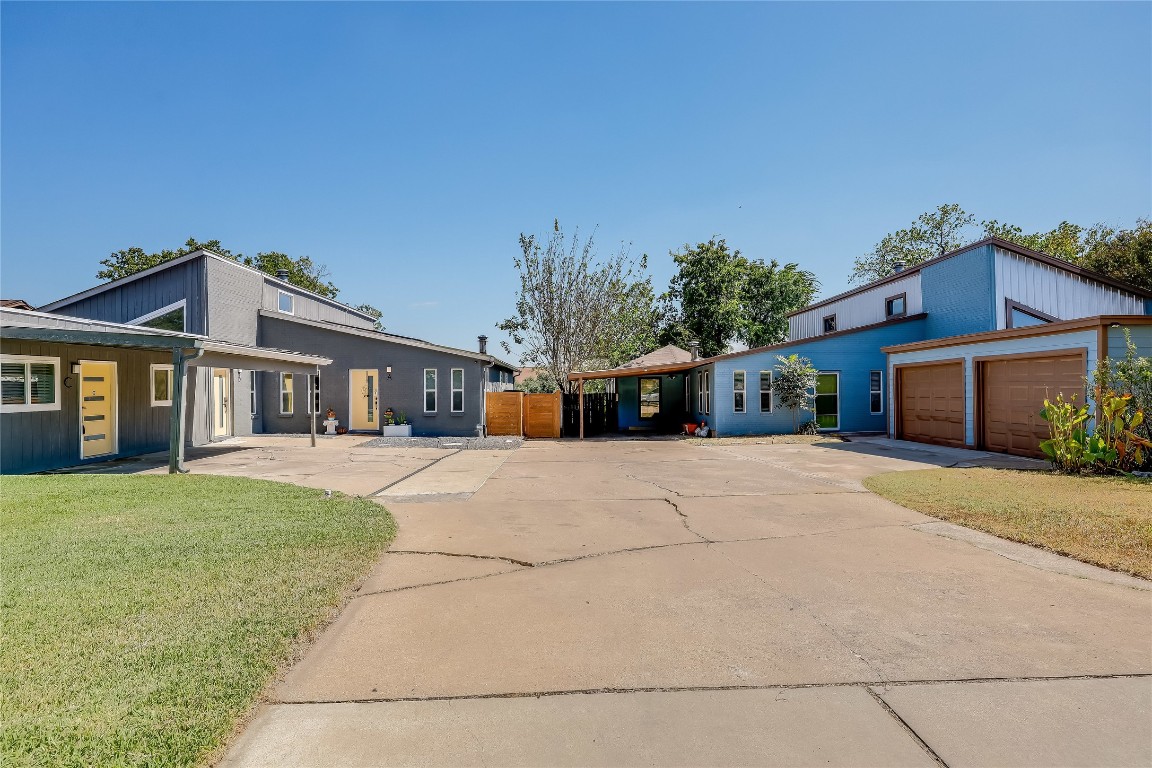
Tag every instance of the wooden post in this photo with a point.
(315, 405)
(176, 415)
(581, 407)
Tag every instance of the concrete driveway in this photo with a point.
(660, 603)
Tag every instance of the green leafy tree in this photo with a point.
(932, 234)
(129, 261)
(542, 383)
(576, 310)
(1123, 254)
(1063, 242)
(794, 385)
(704, 298)
(769, 293)
(302, 271)
(376, 314)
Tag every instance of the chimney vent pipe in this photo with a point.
(282, 274)
(483, 344)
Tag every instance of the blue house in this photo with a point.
(959, 350)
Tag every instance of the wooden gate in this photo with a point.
(542, 415)
(600, 409)
(505, 413)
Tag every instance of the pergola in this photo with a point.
(624, 372)
(188, 351)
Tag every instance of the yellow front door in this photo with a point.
(364, 399)
(97, 409)
(221, 411)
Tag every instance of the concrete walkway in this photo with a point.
(660, 603)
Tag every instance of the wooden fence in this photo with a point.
(517, 413)
(599, 413)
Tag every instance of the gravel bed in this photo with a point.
(450, 443)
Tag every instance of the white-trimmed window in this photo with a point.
(700, 391)
(285, 302)
(739, 392)
(252, 391)
(29, 383)
(765, 391)
(707, 393)
(169, 318)
(457, 390)
(876, 392)
(161, 384)
(429, 390)
(286, 399)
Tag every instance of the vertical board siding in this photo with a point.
(310, 307)
(1055, 292)
(124, 303)
(35, 441)
(1051, 343)
(864, 308)
(853, 356)
(233, 295)
(403, 392)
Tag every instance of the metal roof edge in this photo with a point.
(1045, 329)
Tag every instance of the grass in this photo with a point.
(1102, 520)
(142, 616)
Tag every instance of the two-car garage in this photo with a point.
(986, 390)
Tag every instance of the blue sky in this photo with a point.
(407, 146)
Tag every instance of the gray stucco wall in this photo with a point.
(404, 391)
(35, 441)
(146, 294)
(233, 299)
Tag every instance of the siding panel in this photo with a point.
(864, 308)
(1055, 292)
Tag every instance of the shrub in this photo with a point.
(1067, 447)
(795, 386)
(1113, 447)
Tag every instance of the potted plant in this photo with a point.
(395, 425)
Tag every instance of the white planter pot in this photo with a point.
(397, 430)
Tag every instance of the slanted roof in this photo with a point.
(998, 242)
(668, 355)
(16, 304)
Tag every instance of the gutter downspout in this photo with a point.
(180, 360)
(484, 395)
(312, 395)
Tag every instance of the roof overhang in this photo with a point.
(623, 373)
(1045, 329)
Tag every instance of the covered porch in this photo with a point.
(655, 399)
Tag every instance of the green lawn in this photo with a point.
(143, 616)
(1101, 520)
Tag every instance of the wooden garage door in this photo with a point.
(931, 403)
(1012, 392)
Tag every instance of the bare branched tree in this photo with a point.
(577, 311)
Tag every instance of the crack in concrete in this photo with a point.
(865, 684)
(684, 521)
(512, 560)
(414, 472)
(907, 728)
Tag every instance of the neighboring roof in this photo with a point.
(612, 373)
(189, 257)
(668, 355)
(998, 242)
(42, 326)
(389, 337)
(1043, 329)
(16, 304)
(528, 372)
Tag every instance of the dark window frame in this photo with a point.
(879, 392)
(1010, 306)
(640, 397)
(888, 313)
(824, 323)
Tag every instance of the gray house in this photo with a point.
(439, 389)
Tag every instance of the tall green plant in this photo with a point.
(794, 384)
(1068, 445)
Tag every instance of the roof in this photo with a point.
(42, 326)
(664, 356)
(998, 242)
(189, 257)
(1043, 329)
(389, 337)
(16, 304)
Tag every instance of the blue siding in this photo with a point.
(959, 294)
(854, 356)
(672, 408)
(1141, 337)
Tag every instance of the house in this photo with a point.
(439, 389)
(959, 350)
(78, 390)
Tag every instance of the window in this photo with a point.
(738, 392)
(161, 385)
(649, 397)
(169, 318)
(314, 389)
(286, 394)
(896, 306)
(457, 390)
(876, 392)
(30, 383)
(1019, 316)
(700, 391)
(707, 394)
(830, 324)
(285, 302)
(252, 391)
(828, 401)
(765, 391)
(429, 390)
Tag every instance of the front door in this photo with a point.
(828, 401)
(221, 402)
(97, 408)
(364, 399)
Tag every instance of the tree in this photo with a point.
(1063, 242)
(794, 385)
(574, 309)
(376, 314)
(769, 293)
(302, 271)
(1123, 254)
(542, 382)
(132, 260)
(703, 302)
(932, 234)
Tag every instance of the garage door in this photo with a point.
(1012, 394)
(931, 403)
